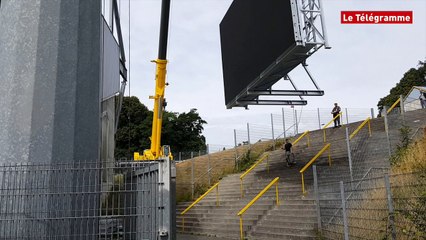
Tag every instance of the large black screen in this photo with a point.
(254, 33)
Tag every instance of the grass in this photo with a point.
(369, 216)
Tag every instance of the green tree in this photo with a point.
(413, 77)
(183, 132)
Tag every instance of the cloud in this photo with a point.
(364, 63)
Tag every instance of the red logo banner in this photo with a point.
(376, 17)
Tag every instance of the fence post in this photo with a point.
(235, 146)
(180, 156)
(282, 110)
(348, 145)
(345, 220)
(390, 206)
(192, 175)
(401, 105)
(385, 117)
(372, 113)
(272, 126)
(297, 123)
(248, 134)
(208, 164)
(347, 116)
(319, 119)
(294, 122)
(317, 202)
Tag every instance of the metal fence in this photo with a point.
(375, 207)
(290, 122)
(73, 201)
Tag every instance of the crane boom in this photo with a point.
(156, 150)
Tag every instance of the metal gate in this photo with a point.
(71, 201)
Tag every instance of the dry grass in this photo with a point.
(413, 160)
(368, 218)
(221, 164)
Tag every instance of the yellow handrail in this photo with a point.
(266, 156)
(260, 194)
(394, 105)
(306, 133)
(368, 120)
(312, 161)
(199, 199)
(328, 124)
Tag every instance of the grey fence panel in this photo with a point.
(69, 201)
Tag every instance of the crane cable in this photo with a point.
(128, 77)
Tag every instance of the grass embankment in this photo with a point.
(221, 164)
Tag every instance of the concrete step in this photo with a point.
(264, 235)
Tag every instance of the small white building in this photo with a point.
(413, 99)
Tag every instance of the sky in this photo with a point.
(364, 63)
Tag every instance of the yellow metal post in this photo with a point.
(369, 127)
(241, 228)
(309, 140)
(242, 176)
(242, 190)
(217, 196)
(324, 135)
(394, 105)
(267, 163)
(183, 224)
(303, 183)
(200, 198)
(276, 193)
(260, 194)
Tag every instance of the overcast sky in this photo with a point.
(364, 63)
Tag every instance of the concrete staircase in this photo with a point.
(295, 217)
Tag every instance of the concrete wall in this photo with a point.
(50, 100)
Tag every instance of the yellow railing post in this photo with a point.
(369, 127)
(309, 140)
(326, 147)
(241, 228)
(183, 224)
(324, 133)
(217, 196)
(267, 163)
(366, 121)
(394, 105)
(306, 133)
(325, 126)
(260, 194)
(276, 193)
(265, 156)
(199, 199)
(242, 190)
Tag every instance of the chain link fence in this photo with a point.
(377, 206)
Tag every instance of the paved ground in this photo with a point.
(194, 237)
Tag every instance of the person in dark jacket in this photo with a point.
(287, 148)
(336, 111)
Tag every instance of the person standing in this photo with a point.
(422, 99)
(336, 111)
(287, 147)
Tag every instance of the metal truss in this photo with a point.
(312, 24)
(310, 35)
